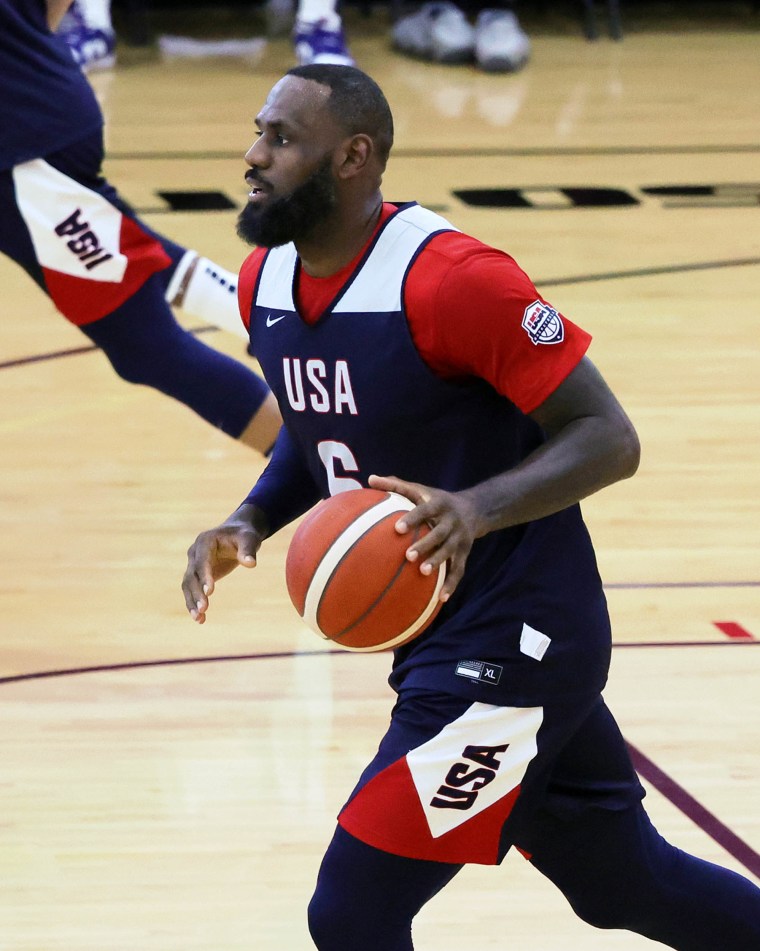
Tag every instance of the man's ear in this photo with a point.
(356, 154)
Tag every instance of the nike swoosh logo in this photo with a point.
(271, 321)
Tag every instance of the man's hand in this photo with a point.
(216, 553)
(453, 524)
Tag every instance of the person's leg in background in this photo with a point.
(316, 27)
(145, 344)
(130, 318)
(317, 31)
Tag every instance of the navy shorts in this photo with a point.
(69, 229)
(460, 782)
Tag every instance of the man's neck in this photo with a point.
(334, 245)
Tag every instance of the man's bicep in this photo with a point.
(583, 393)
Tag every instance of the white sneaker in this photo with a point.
(501, 45)
(321, 42)
(437, 31)
(92, 47)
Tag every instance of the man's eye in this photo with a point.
(281, 140)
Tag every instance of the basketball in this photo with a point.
(348, 577)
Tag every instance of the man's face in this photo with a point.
(293, 188)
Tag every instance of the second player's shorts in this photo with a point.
(455, 781)
(68, 228)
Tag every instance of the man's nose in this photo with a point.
(257, 155)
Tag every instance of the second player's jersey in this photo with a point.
(357, 398)
(45, 101)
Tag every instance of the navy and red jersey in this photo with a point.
(425, 363)
(45, 101)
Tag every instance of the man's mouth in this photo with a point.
(256, 188)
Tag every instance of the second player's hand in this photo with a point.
(213, 555)
(453, 524)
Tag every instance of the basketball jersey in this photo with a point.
(529, 615)
(45, 101)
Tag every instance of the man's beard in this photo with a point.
(294, 217)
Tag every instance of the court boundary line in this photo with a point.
(280, 655)
(647, 272)
(705, 820)
(74, 352)
(448, 152)
(674, 792)
(540, 283)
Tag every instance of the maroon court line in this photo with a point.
(280, 655)
(167, 662)
(74, 352)
(653, 585)
(667, 786)
(695, 811)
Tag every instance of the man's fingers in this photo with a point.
(198, 582)
(246, 556)
(212, 556)
(196, 599)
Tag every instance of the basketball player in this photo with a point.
(396, 344)
(104, 270)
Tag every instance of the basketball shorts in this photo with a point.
(70, 230)
(461, 782)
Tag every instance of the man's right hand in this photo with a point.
(216, 553)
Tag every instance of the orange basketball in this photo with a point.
(348, 578)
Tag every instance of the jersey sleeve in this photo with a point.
(285, 489)
(473, 311)
(249, 275)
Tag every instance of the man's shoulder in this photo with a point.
(251, 266)
(458, 252)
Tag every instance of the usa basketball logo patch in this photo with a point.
(543, 324)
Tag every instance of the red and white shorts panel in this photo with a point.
(447, 799)
(93, 256)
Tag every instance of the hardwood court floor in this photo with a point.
(170, 788)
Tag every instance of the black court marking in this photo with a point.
(200, 200)
(576, 196)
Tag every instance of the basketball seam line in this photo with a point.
(379, 598)
(345, 540)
